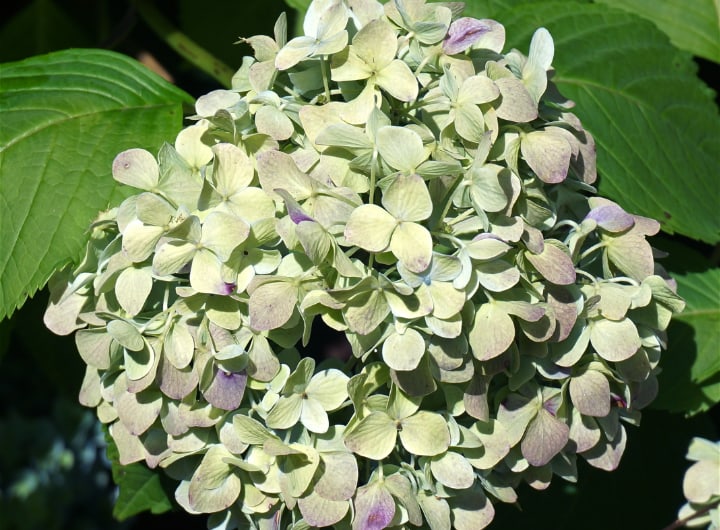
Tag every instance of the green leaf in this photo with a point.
(65, 116)
(611, 64)
(701, 292)
(690, 377)
(139, 488)
(691, 26)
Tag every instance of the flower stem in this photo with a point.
(185, 47)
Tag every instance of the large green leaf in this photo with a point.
(139, 488)
(692, 26)
(64, 117)
(702, 295)
(656, 125)
(690, 381)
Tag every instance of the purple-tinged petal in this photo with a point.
(374, 507)
(226, 390)
(463, 33)
(228, 288)
(295, 211)
(611, 217)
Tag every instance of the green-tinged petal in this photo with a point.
(490, 185)
(190, 146)
(515, 413)
(315, 240)
(631, 254)
(214, 485)
(223, 232)
(232, 170)
(545, 437)
(224, 312)
(487, 248)
(320, 512)
(553, 263)
(590, 393)
(297, 470)
(498, 275)
(548, 155)
(413, 306)
(516, 105)
(435, 510)
(348, 66)
(401, 405)
(399, 487)
(469, 122)
(453, 470)
(313, 416)
(702, 481)
(569, 351)
(251, 204)
(328, 388)
(172, 256)
(401, 148)
(376, 44)
(495, 445)
(294, 52)
(138, 363)
(425, 433)
(206, 274)
(338, 476)
(139, 240)
(250, 431)
(408, 198)
(179, 346)
(179, 182)
(90, 394)
(136, 168)
(477, 89)
(447, 301)
(374, 507)
(365, 312)
(273, 122)
(370, 227)
(398, 80)
(130, 447)
(94, 347)
(492, 332)
(403, 351)
(272, 304)
(286, 412)
(153, 210)
(278, 170)
(344, 135)
(412, 244)
(138, 411)
(472, 510)
(132, 289)
(126, 334)
(373, 436)
(614, 341)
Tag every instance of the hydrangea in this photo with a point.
(701, 486)
(393, 177)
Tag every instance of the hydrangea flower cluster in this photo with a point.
(393, 176)
(701, 486)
